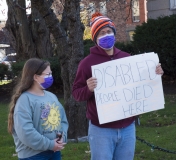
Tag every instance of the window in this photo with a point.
(103, 9)
(172, 4)
(131, 33)
(135, 11)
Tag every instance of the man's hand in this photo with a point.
(92, 83)
(159, 70)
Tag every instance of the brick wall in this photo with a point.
(116, 12)
(130, 24)
(143, 13)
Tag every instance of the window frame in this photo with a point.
(135, 18)
(172, 4)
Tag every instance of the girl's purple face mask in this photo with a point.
(107, 41)
(48, 81)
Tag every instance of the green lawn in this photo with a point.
(157, 128)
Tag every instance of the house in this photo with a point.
(157, 8)
(126, 14)
(3, 13)
(5, 48)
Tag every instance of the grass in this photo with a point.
(157, 128)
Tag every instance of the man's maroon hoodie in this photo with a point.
(81, 91)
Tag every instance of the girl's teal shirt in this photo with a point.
(37, 121)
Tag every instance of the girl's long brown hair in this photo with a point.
(31, 67)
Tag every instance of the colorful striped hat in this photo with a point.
(98, 22)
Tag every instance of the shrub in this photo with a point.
(17, 68)
(126, 47)
(3, 70)
(158, 36)
(88, 43)
(55, 67)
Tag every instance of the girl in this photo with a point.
(36, 118)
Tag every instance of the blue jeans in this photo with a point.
(46, 155)
(112, 144)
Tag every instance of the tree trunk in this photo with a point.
(30, 38)
(68, 36)
(40, 35)
(75, 31)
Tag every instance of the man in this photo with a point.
(114, 140)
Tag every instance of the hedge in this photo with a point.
(158, 36)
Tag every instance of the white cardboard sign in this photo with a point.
(127, 87)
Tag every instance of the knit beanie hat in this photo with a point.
(99, 22)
